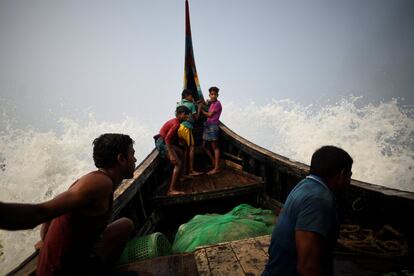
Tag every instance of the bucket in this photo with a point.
(145, 247)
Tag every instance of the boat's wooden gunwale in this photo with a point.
(128, 189)
(301, 169)
(167, 200)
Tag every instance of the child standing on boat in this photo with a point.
(166, 144)
(211, 128)
(185, 131)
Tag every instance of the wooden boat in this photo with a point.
(254, 175)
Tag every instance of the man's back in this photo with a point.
(309, 207)
(169, 130)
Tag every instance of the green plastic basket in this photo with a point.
(145, 247)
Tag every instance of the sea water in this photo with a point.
(38, 165)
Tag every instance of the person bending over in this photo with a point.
(166, 143)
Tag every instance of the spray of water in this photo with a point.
(380, 138)
(35, 166)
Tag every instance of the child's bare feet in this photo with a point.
(195, 173)
(213, 171)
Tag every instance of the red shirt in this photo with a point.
(169, 130)
(69, 242)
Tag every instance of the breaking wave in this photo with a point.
(380, 138)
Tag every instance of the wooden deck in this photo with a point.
(242, 257)
(227, 182)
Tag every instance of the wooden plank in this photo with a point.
(223, 261)
(249, 176)
(243, 180)
(232, 156)
(201, 260)
(224, 180)
(233, 165)
(210, 184)
(129, 187)
(166, 200)
(202, 184)
(186, 186)
(263, 242)
(251, 258)
(189, 266)
(141, 200)
(28, 267)
(298, 169)
(174, 265)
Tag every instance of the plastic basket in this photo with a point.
(145, 247)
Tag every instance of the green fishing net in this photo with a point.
(244, 221)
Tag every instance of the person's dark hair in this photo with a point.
(213, 88)
(185, 93)
(328, 161)
(107, 147)
(182, 109)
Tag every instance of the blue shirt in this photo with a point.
(310, 206)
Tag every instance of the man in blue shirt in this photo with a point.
(307, 229)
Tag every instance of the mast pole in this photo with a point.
(191, 80)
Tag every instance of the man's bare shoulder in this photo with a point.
(94, 182)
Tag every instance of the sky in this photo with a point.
(117, 58)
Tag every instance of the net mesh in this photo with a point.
(244, 221)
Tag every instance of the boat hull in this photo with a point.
(368, 205)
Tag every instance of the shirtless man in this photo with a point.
(76, 235)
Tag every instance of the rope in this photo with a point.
(386, 242)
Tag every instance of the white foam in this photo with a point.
(39, 165)
(380, 138)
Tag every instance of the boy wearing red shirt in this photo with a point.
(166, 144)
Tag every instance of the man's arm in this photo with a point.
(216, 109)
(207, 114)
(199, 109)
(310, 248)
(18, 216)
(196, 115)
